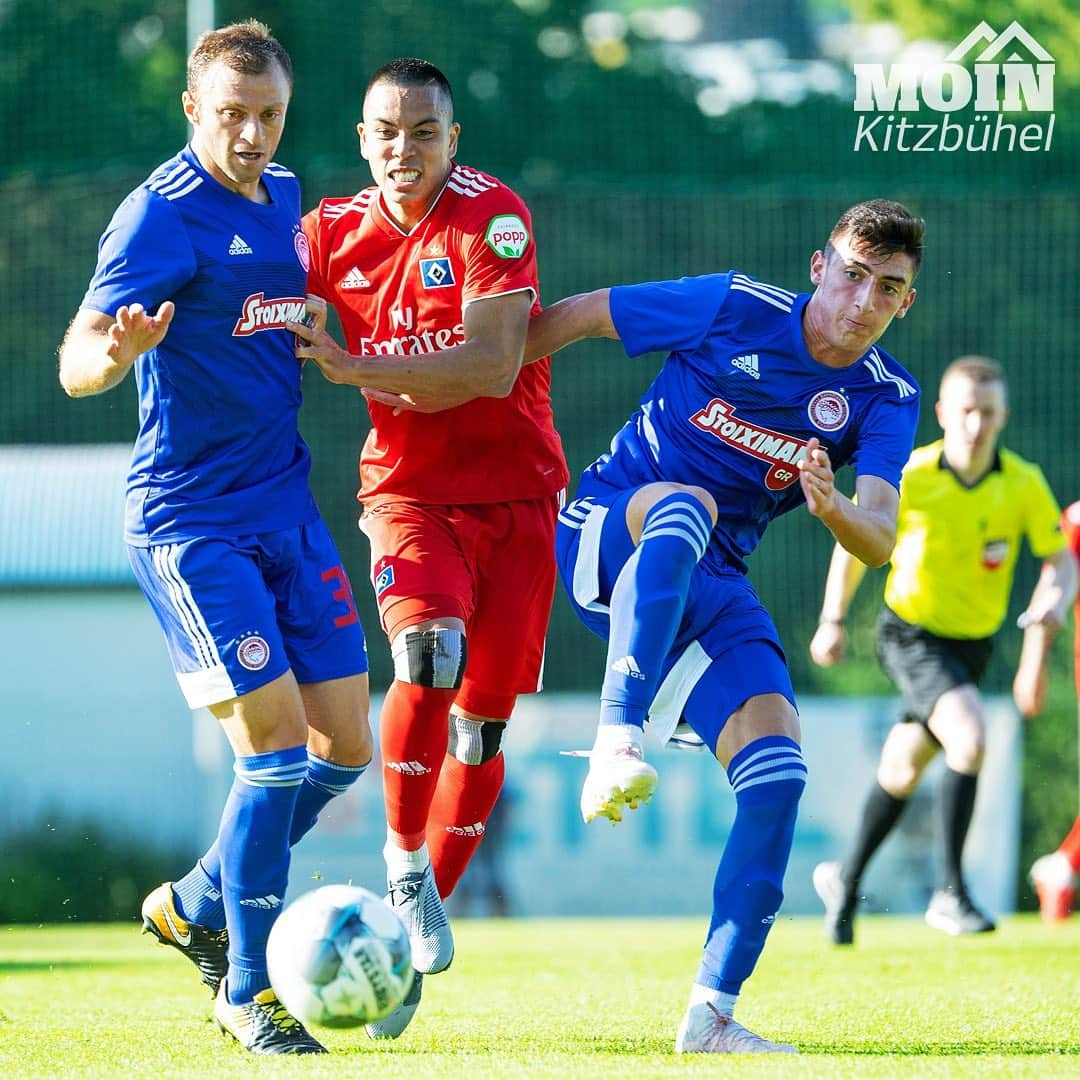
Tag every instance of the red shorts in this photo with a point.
(490, 565)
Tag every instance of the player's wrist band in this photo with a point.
(825, 621)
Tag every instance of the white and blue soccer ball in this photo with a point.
(339, 957)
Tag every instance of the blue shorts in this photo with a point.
(238, 612)
(726, 650)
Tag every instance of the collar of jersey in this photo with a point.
(995, 466)
(798, 306)
(388, 225)
(189, 157)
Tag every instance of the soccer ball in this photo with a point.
(339, 957)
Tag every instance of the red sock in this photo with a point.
(413, 733)
(459, 812)
(1070, 846)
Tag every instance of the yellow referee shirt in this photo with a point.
(956, 547)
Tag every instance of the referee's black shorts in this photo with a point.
(923, 666)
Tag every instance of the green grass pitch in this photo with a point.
(575, 999)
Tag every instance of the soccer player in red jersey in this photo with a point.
(433, 275)
(1054, 875)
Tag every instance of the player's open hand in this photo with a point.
(817, 479)
(401, 403)
(398, 402)
(136, 331)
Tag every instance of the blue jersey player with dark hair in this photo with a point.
(763, 394)
(222, 531)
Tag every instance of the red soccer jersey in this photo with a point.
(404, 293)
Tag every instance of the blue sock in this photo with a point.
(198, 894)
(253, 841)
(768, 777)
(647, 604)
(323, 781)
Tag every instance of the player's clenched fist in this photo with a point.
(315, 344)
(828, 644)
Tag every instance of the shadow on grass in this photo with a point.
(16, 966)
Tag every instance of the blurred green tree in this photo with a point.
(86, 81)
(527, 88)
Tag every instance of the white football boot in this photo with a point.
(390, 1027)
(706, 1030)
(618, 777)
(415, 899)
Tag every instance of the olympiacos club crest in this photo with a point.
(253, 653)
(303, 250)
(828, 410)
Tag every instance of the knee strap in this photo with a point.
(474, 742)
(432, 658)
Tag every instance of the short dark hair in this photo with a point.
(247, 47)
(979, 369)
(410, 71)
(883, 227)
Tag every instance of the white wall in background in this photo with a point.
(94, 725)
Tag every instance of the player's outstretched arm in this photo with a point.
(573, 319)
(829, 642)
(587, 315)
(98, 350)
(485, 364)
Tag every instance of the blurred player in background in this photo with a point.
(222, 530)
(763, 394)
(432, 273)
(1054, 875)
(966, 504)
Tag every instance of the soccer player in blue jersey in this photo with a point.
(764, 393)
(222, 530)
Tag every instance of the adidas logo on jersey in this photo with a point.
(466, 830)
(749, 364)
(628, 666)
(355, 279)
(240, 246)
(408, 768)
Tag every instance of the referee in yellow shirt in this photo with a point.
(965, 505)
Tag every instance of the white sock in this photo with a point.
(612, 737)
(400, 862)
(723, 1003)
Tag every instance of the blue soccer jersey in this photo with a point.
(218, 451)
(737, 399)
